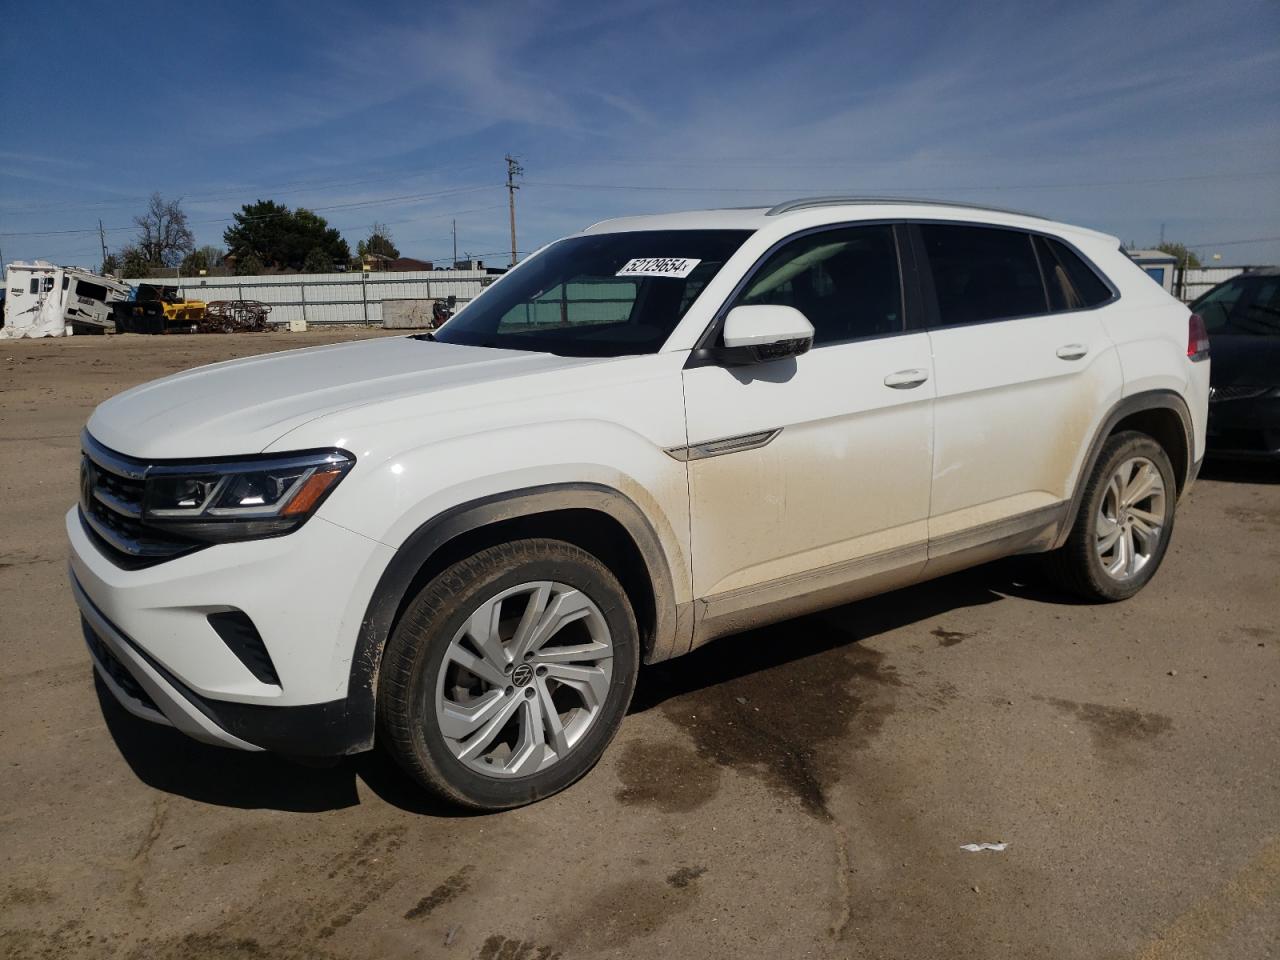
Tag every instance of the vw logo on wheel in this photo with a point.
(522, 674)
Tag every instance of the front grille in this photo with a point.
(1235, 392)
(111, 489)
(116, 670)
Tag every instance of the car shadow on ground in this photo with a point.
(167, 760)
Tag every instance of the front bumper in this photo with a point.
(151, 640)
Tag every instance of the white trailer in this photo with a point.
(44, 300)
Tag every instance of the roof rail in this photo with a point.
(806, 203)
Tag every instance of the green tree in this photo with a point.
(318, 261)
(379, 243)
(1186, 256)
(132, 262)
(282, 238)
(249, 265)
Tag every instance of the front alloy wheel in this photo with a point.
(524, 679)
(508, 674)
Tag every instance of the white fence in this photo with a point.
(320, 298)
(1197, 281)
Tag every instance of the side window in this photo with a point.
(65, 281)
(35, 284)
(844, 281)
(983, 273)
(1072, 283)
(48, 284)
(94, 291)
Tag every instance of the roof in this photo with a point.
(813, 211)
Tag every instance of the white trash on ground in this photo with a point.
(977, 847)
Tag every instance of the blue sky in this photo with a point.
(1119, 116)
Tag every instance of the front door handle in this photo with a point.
(906, 379)
(1072, 351)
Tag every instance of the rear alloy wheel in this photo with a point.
(1129, 527)
(508, 674)
(1124, 522)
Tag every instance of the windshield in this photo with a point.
(1246, 305)
(604, 295)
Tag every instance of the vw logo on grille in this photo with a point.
(522, 674)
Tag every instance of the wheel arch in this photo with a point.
(597, 518)
(1162, 415)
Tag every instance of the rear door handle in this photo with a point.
(906, 379)
(1072, 351)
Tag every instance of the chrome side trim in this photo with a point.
(813, 581)
(717, 448)
(996, 531)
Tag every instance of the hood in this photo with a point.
(1246, 361)
(240, 406)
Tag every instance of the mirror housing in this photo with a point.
(762, 333)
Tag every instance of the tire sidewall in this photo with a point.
(1130, 447)
(428, 744)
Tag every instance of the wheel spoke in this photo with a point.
(482, 628)
(1149, 534)
(529, 620)
(1131, 557)
(555, 729)
(1146, 517)
(481, 668)
(577, 653)
(592, 683)
(476, 745)
(530, 747)
(1141, 486)
(1108, 540)
(566, 607)
(458, 720)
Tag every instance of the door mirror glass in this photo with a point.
(762, 333)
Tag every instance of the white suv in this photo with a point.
(657, 432)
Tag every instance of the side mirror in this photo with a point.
(762, 333)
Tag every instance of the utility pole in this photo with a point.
(455, 244)
(102, 236)
(513, 170)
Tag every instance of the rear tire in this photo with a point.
(508, 674)
(1124, 522)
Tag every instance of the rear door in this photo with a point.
(1024, 373)
(825, 465)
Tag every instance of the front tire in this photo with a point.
(508, 674)
(1124, 523)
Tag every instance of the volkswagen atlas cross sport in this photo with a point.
(652, 434)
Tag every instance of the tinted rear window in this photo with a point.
(983, 273)
(1072, 283)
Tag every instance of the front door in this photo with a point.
(815, 470)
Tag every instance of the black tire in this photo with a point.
(415, 655)
(1076, 566)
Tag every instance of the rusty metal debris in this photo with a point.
(234, 316)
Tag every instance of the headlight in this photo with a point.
(239, 501)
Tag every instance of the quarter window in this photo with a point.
(983, 273)
(1071, 282)
(94, 291)
(844, 281)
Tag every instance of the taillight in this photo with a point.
(1197, 338)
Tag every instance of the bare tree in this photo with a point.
(163, 235)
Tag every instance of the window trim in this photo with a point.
(703, 352)
(933, 315)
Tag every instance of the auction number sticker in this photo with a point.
(679, 267)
